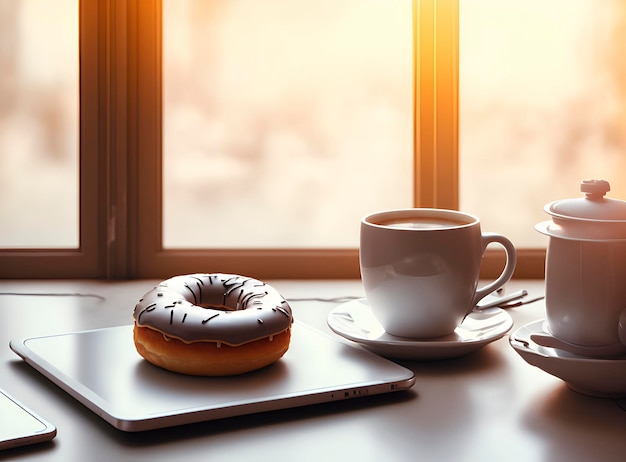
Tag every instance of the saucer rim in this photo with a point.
(517, 342)
(588, 376)
(437, 343)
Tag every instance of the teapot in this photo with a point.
(586, 272)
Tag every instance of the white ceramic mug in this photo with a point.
(420, 268)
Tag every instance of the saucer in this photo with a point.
(354, 321)
(590, 376)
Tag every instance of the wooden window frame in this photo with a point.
(121, 164)
(89, 258)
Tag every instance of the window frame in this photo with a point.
(120, 158)
(88, 259)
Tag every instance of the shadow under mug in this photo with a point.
(420, 268)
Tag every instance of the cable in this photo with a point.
(53, 294)
(621, 403)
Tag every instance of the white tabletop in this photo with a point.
(489, 405)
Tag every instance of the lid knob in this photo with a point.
(595, 189)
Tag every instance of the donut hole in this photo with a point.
(210, 306)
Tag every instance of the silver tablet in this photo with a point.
(19, 426)
(102, 370)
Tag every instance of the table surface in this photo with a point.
(488, 405)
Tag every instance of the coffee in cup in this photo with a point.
(420, 268)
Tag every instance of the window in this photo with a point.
(284, 122)
(71, 244)
(125, 125)
(436, 185)
(542, 103)
(39, 124)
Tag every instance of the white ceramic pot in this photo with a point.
(586, 270)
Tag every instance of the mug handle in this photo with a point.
(507, 272)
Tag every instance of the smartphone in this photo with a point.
(20, 426)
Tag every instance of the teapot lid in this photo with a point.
(594, 206)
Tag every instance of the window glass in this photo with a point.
(284, 122)
(542, 107)
(39, 124)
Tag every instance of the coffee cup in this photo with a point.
(420, 268)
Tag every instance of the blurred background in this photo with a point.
(286, 121)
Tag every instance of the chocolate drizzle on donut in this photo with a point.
(210, 317)
(147, 309)
(195, 299)
(284, 311)
(202, 298)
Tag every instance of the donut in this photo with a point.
(212, 324)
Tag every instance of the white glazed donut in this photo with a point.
(212, 324)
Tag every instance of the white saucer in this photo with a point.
(354, 320)
(590, 376)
